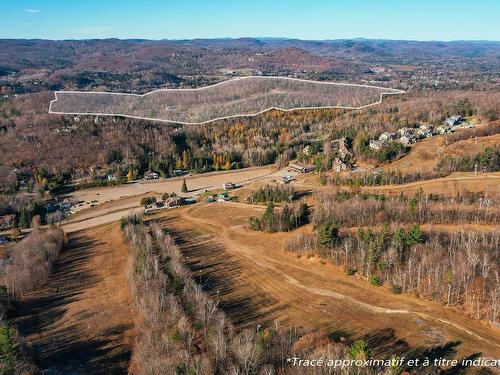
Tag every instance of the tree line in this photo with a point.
(284, 219)
(31, 263)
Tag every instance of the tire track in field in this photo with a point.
(252, 255)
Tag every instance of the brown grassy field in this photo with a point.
(258, 283)
(458, 183)
(80, 321)
(425, 154)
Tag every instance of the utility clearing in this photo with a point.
(81, 321)
(243, 96)
(258, 284)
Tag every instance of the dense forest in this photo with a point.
(46, 152)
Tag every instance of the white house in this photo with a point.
(150, 175)
(376, 145)
(386, 136)
(407, 140)
(454, 120)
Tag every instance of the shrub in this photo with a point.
(146, 201)
(132, 219)
(350, 271)
(395, 289)
(375, 280)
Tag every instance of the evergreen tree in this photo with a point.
(24, 220)
(303, 213)
(8, 351)
(184, 188)
(359, 351)
(328, 234)
(268, 218)
(286, 219)
(414, 236)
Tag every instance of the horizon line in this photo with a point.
(259, 38)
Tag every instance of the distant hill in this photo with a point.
(141, 65)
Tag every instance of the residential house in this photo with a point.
(386, 136)
(150, 175)
(302, 168)
(173, 202)
(454, 120)
(407, 140)
(339, 165)
(376, 145)
(405, 132)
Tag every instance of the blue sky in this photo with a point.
(321, 19)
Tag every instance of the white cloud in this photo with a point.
(32, 10)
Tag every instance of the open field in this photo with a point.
(112, 203)
(457, 183)
(195, 183)
(425, 154)
(258, 283)
(80, 321)
(452, 185)
(244, 96)
(119, 201)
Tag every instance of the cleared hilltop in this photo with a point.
(244, 96)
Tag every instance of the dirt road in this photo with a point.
(455, 183)
(81, 321)
(115, 202)
(259, 284)
(195, 183)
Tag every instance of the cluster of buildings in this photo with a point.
(221, 198)
(171, 202)
(343, 159)
(409, 136)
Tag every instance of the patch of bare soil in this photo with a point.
(80, 321)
